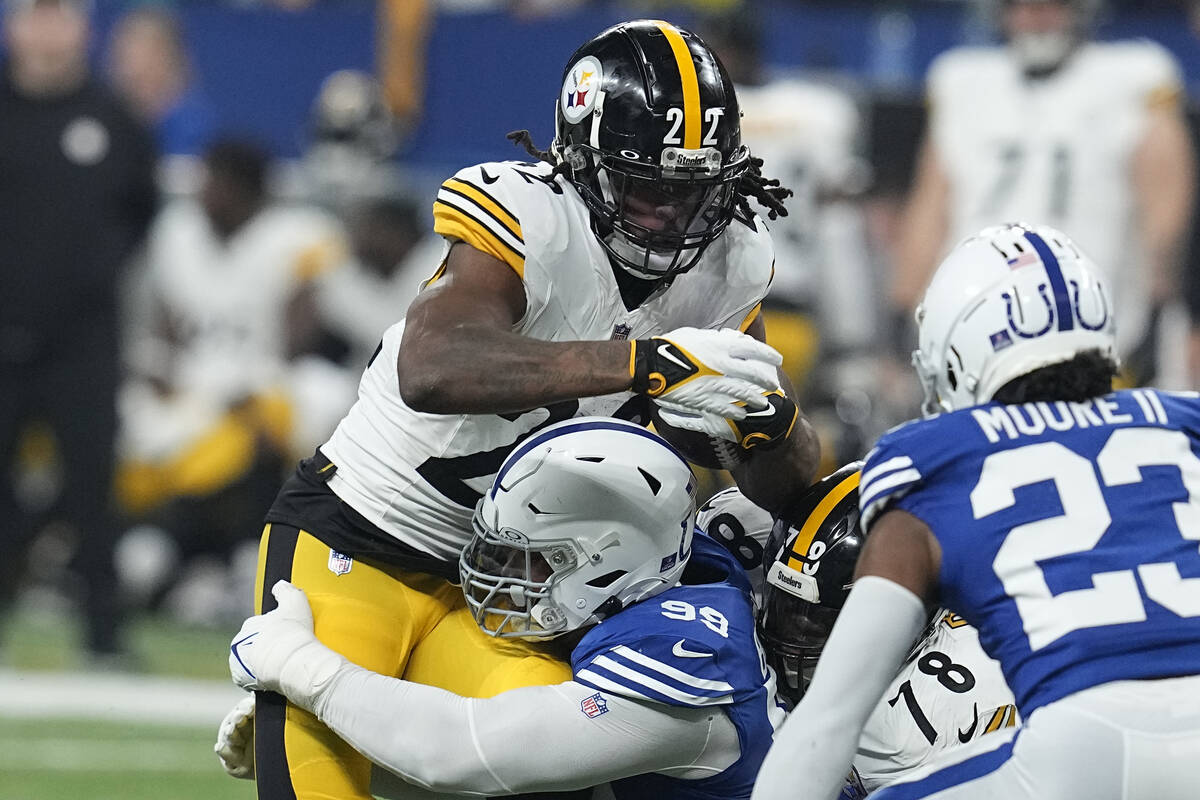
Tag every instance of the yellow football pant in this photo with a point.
(388, 620)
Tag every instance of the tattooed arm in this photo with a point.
(459, 354)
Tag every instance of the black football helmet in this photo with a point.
(648, 131)
(809, 566)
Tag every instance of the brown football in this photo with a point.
(699, 448)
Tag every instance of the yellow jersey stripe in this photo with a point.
(454, 223)
(749, 320)
(819, 515)
(486, 203)
(691, 85)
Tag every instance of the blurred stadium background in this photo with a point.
(345, 116)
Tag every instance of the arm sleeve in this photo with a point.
(538, 738)
(814, 749)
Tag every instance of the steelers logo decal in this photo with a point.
(579, 90)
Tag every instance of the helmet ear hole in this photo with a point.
(951, 378)
(607, 579)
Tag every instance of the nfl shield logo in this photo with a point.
(339, 563)
(620, 332)
(1001, 340)
(594, 706)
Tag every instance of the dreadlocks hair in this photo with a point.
(769, 193)
(1089, 374)
(524, 139)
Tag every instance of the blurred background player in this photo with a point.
(617, 270)
(589, 522)
(76, 196)
(1055, 515)
(1087, 136)
(809, 132)
(217, 403)
(390, 253)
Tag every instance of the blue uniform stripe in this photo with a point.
(1062, 300)
(584, 425)
(953, 775)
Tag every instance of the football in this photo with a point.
(699, 448)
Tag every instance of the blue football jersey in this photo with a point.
(691, 646)
(1070, 532)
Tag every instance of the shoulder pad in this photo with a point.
(740, 527)
(890, 470)
(483, 205)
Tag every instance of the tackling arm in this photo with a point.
(875, 630)
(526, 740)
(538, 738)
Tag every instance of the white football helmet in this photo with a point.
(1009, 300)
(1045, 51)
(584, 518)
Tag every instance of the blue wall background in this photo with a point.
(490, 73)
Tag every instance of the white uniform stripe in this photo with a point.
(601, 682)
(671, 672)
(658, 686)
(477, 213)
(891, 465)
(1158, 406)
(1147, 411)
(888, 482)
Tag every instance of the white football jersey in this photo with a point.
(948, 694)
(1055, 151)
(226, 300)
(743, 528)
(417, 476)
(808, 136)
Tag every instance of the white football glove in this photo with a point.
(761, 427)
(723, 372)
(277, 651)
(235, 740)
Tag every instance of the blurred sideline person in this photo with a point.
(148, 66)
(1056, 516)
(1086, 136)
(208, 418)
(947, 693)
(586, 539)
(76, 196)
(617, 270)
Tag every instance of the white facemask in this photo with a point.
(1042, 52)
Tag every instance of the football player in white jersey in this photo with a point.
(1086, 136)
(948, 692)
(587, 534)
(621, 268)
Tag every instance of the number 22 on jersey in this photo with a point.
(1114, 597)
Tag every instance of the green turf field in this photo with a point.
(38, 640)
(70, 760)
(99, 759)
